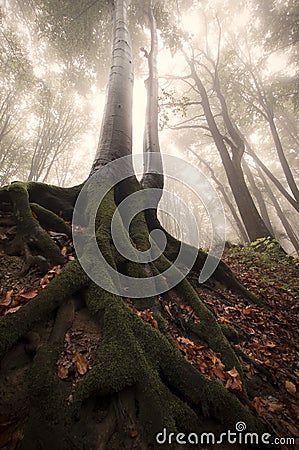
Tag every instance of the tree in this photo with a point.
(140, 382)
(59, 125)
(230, 147)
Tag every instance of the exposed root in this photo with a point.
(50, 220)
(29, 232)
(140, 382)
(13, 327)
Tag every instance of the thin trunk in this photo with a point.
(221, 188)
(253, 222)
(268, 172)
(153, 177)
(283, 161)
(116, 132)
(280, 213)
(269, 115)
(258, 195)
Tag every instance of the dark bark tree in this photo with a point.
(269, 174)
(258, 195)
(284, 221)
(139, 382)
(255, 227)
(262, 104)
(221, 188)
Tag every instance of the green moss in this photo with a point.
(14, 326)
(230, 333)
(50, 220)
(208, 328)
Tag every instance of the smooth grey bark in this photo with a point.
(116, 132)
(153, 168)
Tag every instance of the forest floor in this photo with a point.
(268, 337)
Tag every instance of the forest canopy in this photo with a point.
(55, 60)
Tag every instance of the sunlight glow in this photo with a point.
(191, 23)
(277, 62)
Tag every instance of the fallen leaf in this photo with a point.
(63, 372)
(233, 372)
(234, 383)
(134, 433)
(30, 293)
(258, 405)
(290, 387)
(64, 251)
(247, 311)
(167, 309)
(275, 407)
(6, 299)
(270, 344)
(45, 280)
(155, 324)
(291, 428)
(81, 363)
(218, 372)
(13, 310)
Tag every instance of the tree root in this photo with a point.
(29, 232)
(140, 382)
(50, 220)
(14, 326)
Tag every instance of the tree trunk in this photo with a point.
(270, 175)
(153, 169)
(259, 197)
(280, 213)
(116, 133)
(221, 188)
(254, 224)
(283, 161)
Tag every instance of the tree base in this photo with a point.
(138, 382)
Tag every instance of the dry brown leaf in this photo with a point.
(218, 372)
(63, 372)
(6, 299)
(13, 310)
(258, 406)
(270, 344)
(290, 387)
(45, 280)
(234, 383)
(134, 433)
(275, 407)
(30, 293)
(64, 251)
(247, 311)
(167, 309)
(233, 372)
(291, 428)
(81, 363)
(155, 324)
(55, 270)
